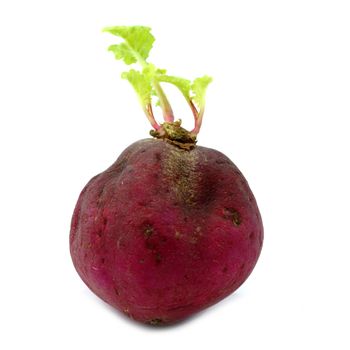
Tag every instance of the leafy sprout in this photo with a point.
(134, 49)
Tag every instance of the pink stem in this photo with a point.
(193, 109)
(150, 116)
(198, 122)
(168, 114)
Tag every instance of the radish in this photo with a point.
(171, 227)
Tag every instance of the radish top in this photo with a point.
(134, 49)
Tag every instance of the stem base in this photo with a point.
(174, 133)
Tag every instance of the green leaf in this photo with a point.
(123, 52)
(161, 71)
(184, 85)
(149, 71)
(199, 88)
(141, 84)
(137, 45)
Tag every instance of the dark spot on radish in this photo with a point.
(194, 239)
(208, 192)
(236, 218)
(143, 150)
(251, 235)
(142, 261)
(158, 157)
(158, 258)
(103, 261)
(116, 291)
(100, 193)
(156, 321)
(99, 233)
(120, 243)
(148, 230)
(233, 215)
(224, 270)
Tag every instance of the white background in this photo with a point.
(278, 107)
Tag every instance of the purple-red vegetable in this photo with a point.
(171, 227)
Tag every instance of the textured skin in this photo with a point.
(164, 232)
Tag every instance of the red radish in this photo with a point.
(171, 227)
